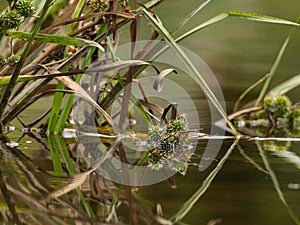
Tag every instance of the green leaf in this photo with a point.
(261, 18)
(52, 38)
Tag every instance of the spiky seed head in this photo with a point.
(10, 20)
(99, 5)
(25, 8)
(13, 60)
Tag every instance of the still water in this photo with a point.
(257, 184)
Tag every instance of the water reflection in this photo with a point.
(251, 182)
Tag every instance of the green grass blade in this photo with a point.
(56, 104)
(188, 205)
(192, 69)
(64, 152)
(242, 15)
(54, 153)
(53, 38)
(273, 71)
(261, 18)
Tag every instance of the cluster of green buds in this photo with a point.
(168, 146)
(11, 60)
(98, 5)
(14, 17)
(280, 109)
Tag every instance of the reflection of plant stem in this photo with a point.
(251, 161)
(275, 183)
(187, 206)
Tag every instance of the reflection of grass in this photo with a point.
(276, 184)
(45, 51)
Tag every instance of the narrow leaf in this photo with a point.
(52, 38)
(242, 15)
(261, 18)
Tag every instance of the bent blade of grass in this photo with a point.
(188, 205)
(58, 39)
(190, 66)
(241, 15)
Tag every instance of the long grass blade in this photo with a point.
(192, 69)
(273, 71)
(241, 15)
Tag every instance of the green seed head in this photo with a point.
(2, 60)
(269, 104)
(10, 20)
(99, 5)
(13, 60)
(282, 103)
(25, 8)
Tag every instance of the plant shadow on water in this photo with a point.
(108, 152)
